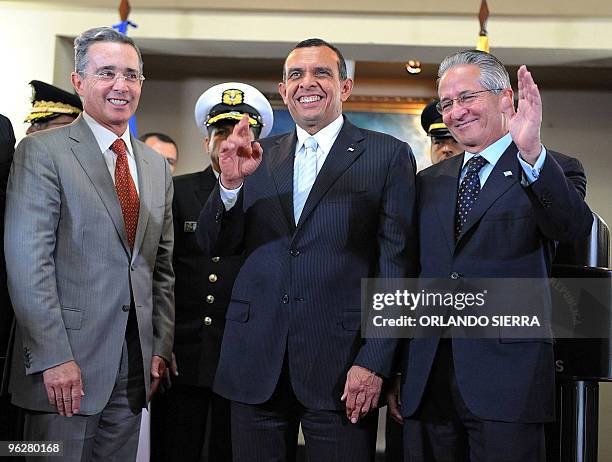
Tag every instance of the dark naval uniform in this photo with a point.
(203, 290)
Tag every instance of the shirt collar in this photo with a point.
(325, 137)
(492, 152)
(105, 137)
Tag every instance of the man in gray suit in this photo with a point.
(88, 246)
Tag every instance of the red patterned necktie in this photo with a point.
(126, 191)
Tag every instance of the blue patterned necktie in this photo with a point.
(304, 175)
(468, 192)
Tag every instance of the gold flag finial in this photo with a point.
(483, 16)
(124, 10)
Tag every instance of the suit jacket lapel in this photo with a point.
(86, 150)
(497, 183)
(345, 150)
(281, 156)
(445, 194)
(145, 186)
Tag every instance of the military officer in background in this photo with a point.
(443, 145)
(203, 290)
(51, 107)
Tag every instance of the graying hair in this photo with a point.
(493, 74)
(95, 35)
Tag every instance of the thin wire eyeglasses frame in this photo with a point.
(117, 76)
(460, 100)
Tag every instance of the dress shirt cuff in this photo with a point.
(532, 173)
(228, 196)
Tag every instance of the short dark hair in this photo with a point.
(161, 137)
(317, 42)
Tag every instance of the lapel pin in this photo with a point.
(507, 173)
(190, 226)
(351, 148)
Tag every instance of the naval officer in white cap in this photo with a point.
(203, 290)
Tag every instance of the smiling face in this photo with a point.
(313, 91)
(111, 104)
(482, 122)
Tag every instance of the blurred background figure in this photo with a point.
(443, 145)
(164, 145)
(203, 291)
(51, 107)
(9, 429)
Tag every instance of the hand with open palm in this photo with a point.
(524, 123)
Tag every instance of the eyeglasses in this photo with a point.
(464, 100)
(108, 76)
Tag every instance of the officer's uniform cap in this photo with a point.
(49, 102)
(229, 102)
(431, 121)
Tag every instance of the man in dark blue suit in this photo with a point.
(314, 211)
(495, 211)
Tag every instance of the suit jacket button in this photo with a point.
(215, 259)
(455, 275)
(125, 308)
(210, 299)
(285, 299)
(294, 252)
(207, 321)
(212, 277)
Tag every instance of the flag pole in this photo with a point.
(483, 37)
(124, 12)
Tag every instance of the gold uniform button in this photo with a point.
(207, 321)
(215, 259)
(212, 277)
(210, 299)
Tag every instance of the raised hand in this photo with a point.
(238, 157)
(524, 124)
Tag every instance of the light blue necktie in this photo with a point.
(304, 175)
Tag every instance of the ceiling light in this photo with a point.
(413, 66)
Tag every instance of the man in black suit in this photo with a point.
(496, 211)
(203, 289)
(314, 211)
(8, 412)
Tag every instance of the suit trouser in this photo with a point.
(178, 425)
(444, 430)
(268, 432)
(109, 436)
